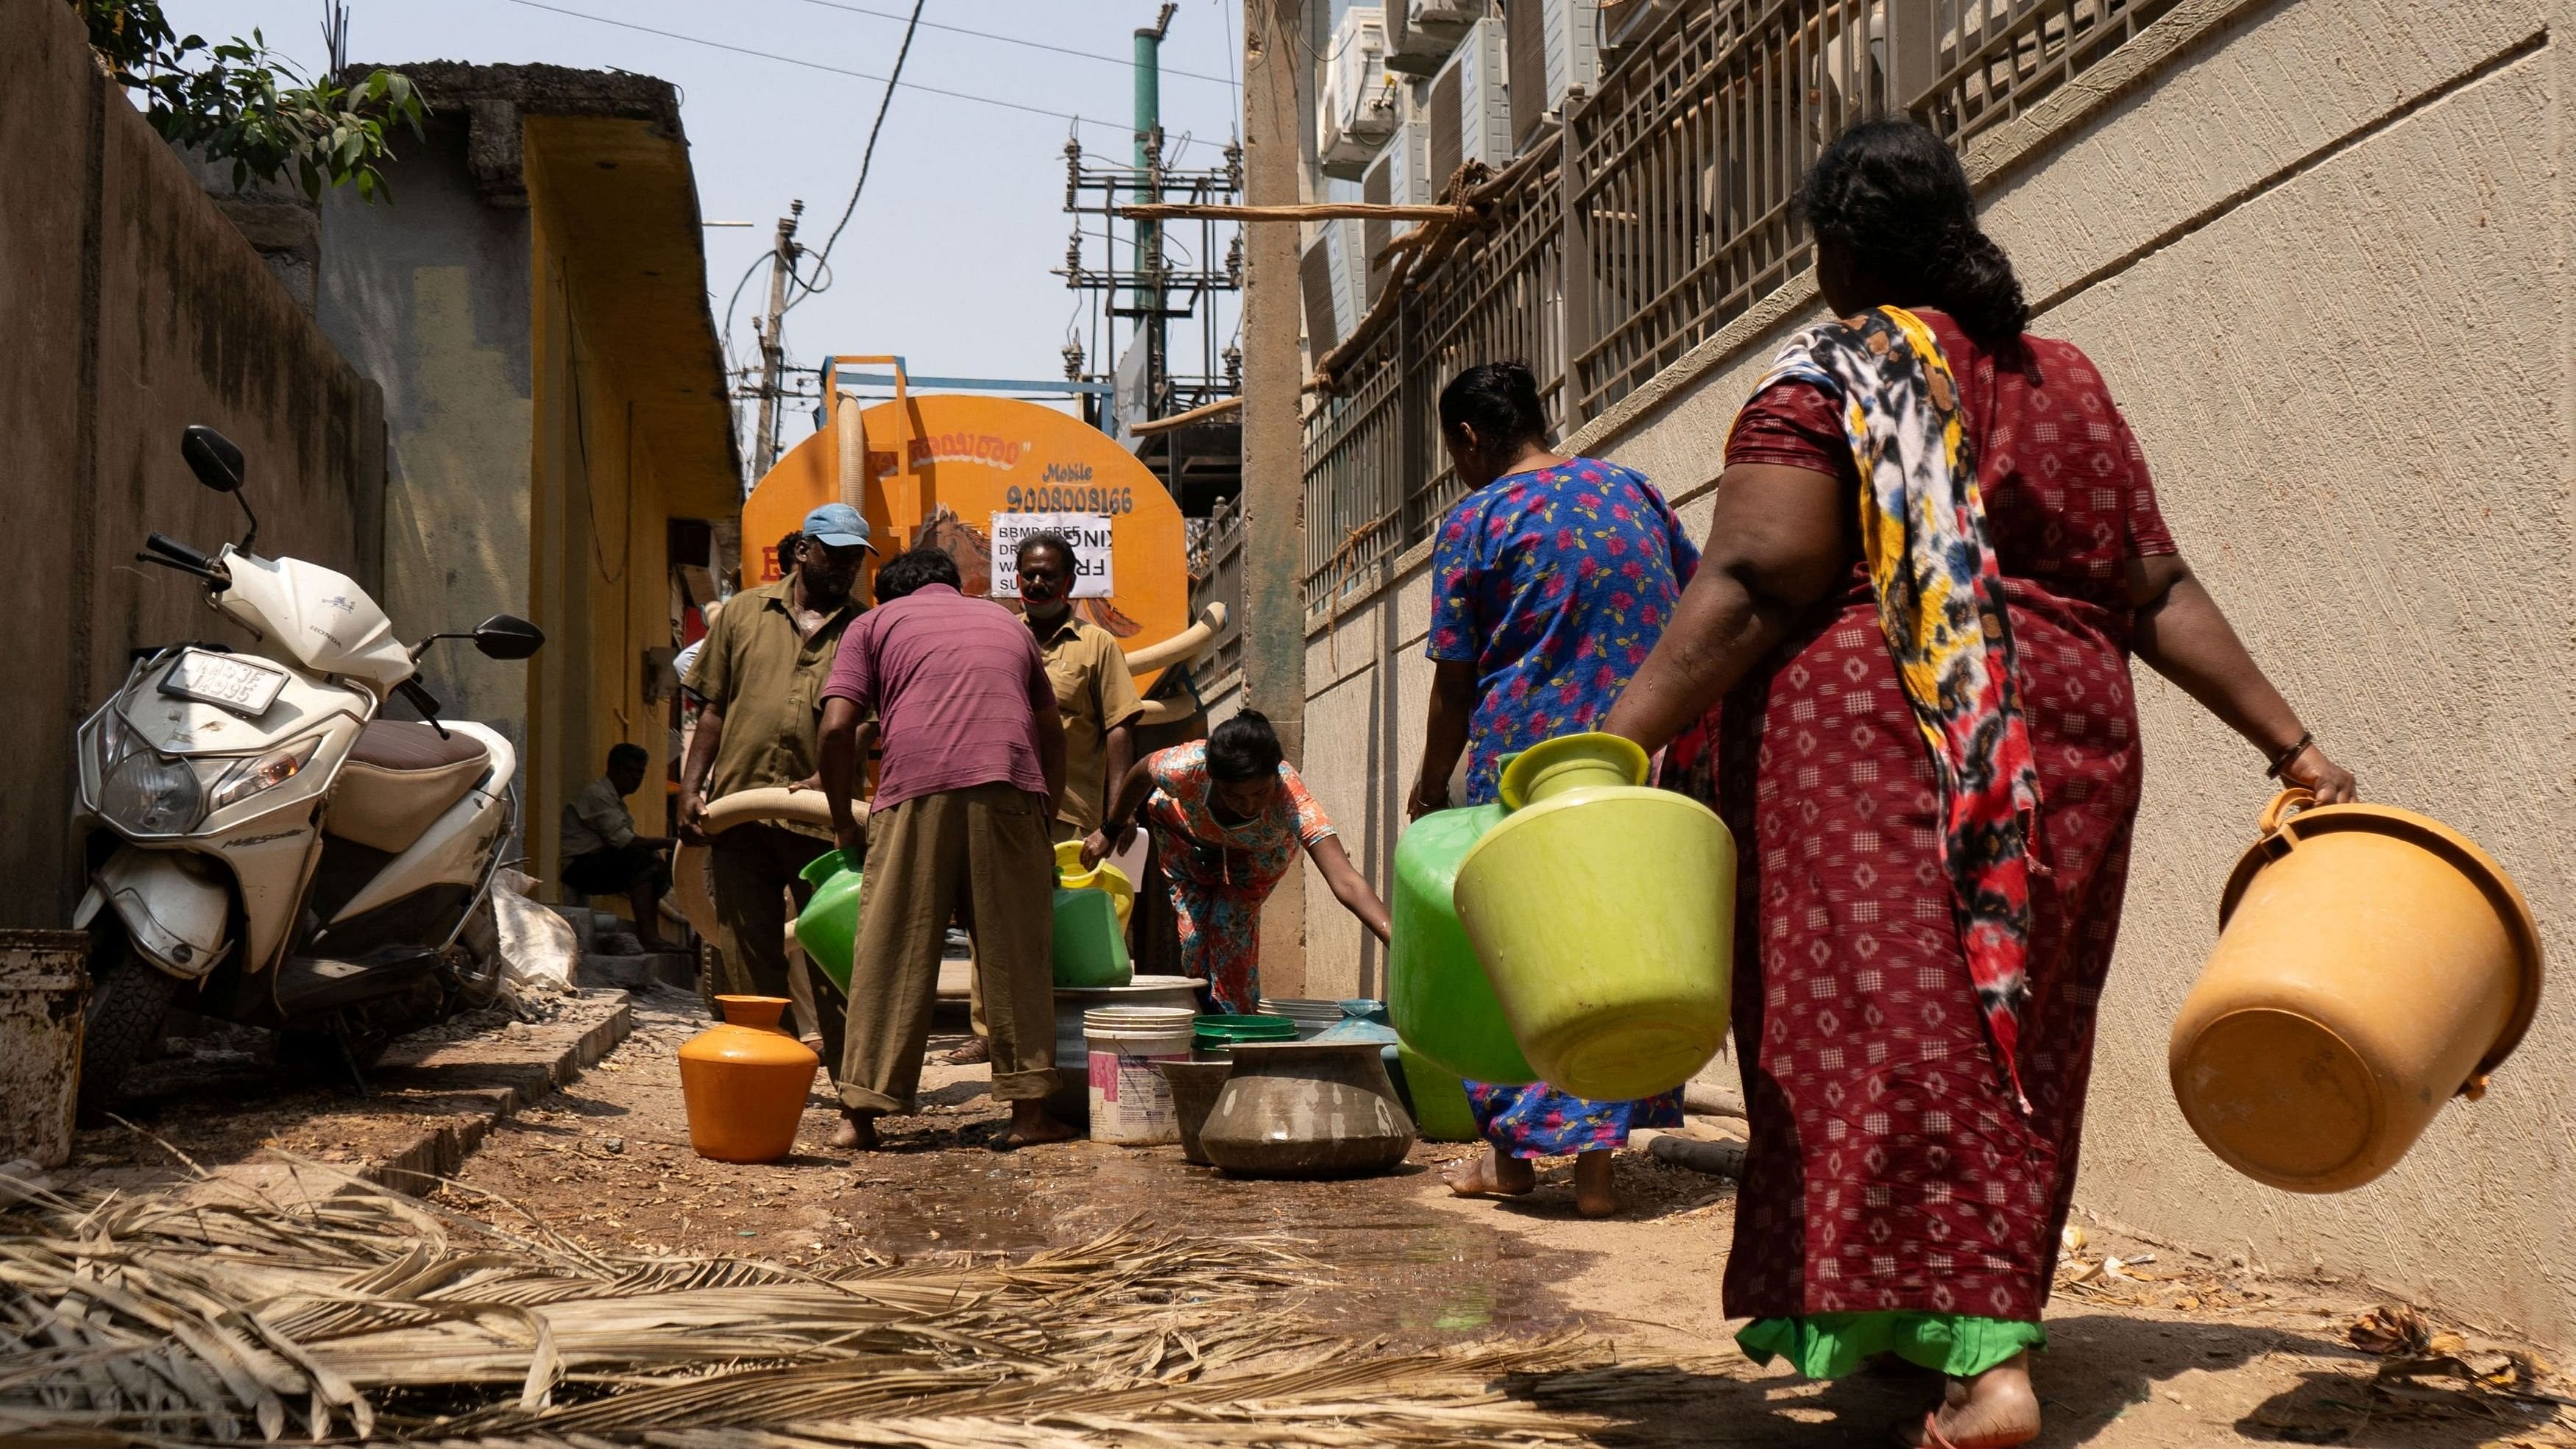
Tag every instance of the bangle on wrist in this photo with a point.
(2282, 760)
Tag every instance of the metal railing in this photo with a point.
(1661, 209)
(1686, 166)
(1358, 467)
(1994, 58)
(1215, 546)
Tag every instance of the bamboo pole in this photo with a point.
(1200, 414)
(1304, 211)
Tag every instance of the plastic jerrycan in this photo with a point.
(2372, 964)
(828, 927)
(1090, 945)
(1106, 876)
(1437, 994)
(1604, 914)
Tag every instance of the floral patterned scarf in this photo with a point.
(1941, 606)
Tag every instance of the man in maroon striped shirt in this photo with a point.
(974, 762)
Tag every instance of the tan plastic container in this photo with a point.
(2372, 963)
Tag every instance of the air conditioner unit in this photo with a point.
(1361, 103)
(1471, 113)
(1421, 33)
(1400, 176)
(1555, 50)
(1626, 22)
(1331, 279)
(1453, 16)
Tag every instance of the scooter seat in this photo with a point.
(399, 778)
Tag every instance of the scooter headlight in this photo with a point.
(249, 777)
(149, 793)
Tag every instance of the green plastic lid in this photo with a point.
(1245, 1028)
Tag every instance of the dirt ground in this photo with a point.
(224, 1098)
(2160, 1352)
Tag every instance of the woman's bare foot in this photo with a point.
(975, 1050)
(1595, 1195)
(1030, 1126)
(1491, 1174)
(1994, 1410)
(857, 1132)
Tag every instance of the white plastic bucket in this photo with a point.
(1071, 1099)
(1130, 1101)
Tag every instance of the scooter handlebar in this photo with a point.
(168, 547)
(210, 572)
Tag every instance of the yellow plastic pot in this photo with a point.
(1604, 913)
(1105, 877)
(2372, 964)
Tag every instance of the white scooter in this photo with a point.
(261, 845)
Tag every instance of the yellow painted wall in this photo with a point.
(598, 544)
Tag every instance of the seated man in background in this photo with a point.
(603, 856)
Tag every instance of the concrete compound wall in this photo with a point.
(2315, 247)
(600, 563)
(131, 309)
(429, 292)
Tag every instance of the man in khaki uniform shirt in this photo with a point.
(761, 672)
(1095, 694)
(1093, 689)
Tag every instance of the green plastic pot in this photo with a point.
(828, 927)
(1090, 950)
(1604, 914)
(1437, 995)
(1440, 1108)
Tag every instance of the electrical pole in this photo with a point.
(1274, 484)
(1149, 189)
(773, 356)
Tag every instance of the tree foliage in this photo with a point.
(239, 101)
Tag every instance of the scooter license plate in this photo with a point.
(243, 686)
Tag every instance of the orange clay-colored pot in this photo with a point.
(2373, 964)
(745, 1082)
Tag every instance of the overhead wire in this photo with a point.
(1127, 61)
(726, 336)
(1234, 62)
(797, 60)
(823, 258)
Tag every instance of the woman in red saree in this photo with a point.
(1935, 548)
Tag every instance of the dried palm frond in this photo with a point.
(217, 1313)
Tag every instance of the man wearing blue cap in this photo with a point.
(761, 671)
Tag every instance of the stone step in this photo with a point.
(636, 973)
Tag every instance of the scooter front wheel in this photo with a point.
(128, 1002)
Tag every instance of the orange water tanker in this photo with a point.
(954, 470)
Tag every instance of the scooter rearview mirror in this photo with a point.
(218, 465)
(507, 636)
(212, 457)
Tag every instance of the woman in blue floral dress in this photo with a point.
(1551, 582)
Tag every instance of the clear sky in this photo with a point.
(946, 261)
